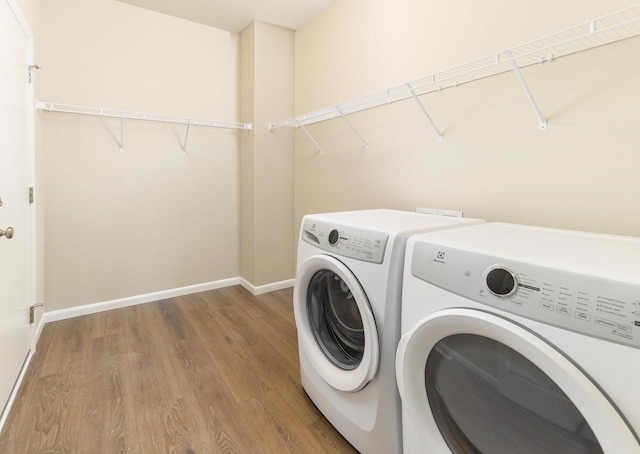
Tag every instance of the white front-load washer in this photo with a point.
(522, 340)
(347, 310)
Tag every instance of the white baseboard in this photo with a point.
(87, 309)
(39, 330)
(259, 290)
(63, 314)
(14, 391)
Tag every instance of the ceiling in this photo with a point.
(235, 15)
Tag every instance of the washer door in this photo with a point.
(473, 382)
(336, 328)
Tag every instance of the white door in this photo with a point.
(14, 210)
(473, 382)
(336, 328)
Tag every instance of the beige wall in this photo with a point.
(267, 225)
(494, 163)
(149, 219)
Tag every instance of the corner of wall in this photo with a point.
(267, 253)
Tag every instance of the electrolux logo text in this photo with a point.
(440, 258)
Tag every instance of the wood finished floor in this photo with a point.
(205, 373)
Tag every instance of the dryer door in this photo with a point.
(336, 328)
(473, 382)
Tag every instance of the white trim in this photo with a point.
(87, 309)
(31, 241)
(14, 391)
(63, 314)
(31, 158)
(26, 29)
(266, 288)
(38, 332)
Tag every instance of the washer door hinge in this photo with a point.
(31, 195)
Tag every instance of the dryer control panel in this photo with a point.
(347, 241)
(589, 305)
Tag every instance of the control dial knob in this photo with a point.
(501, 282)
(334, 236)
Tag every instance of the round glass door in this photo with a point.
(336, 328)
(488, 398)
(335, 319)
(473, 382)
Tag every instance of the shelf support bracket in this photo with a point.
(310, 136)
(542, 122)
(364, 142)
(424, 111)
(121, 134)
(186, 137)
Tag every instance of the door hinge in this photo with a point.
(32, 313)
(31, 68)
(31, 195)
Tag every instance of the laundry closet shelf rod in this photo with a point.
(598, 32)
(100, 112)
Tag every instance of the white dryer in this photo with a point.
(347, 311)
(520, 339)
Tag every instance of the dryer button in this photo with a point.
(334, 236)
(501, 282)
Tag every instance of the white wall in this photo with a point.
(149, 219)
(494, 163)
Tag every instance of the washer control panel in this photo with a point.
(589, 305)
(347, 241)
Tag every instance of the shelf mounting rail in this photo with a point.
(617, 26)
(109, 113)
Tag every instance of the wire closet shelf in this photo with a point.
(598, 32)
(122, 115)
(101, 112)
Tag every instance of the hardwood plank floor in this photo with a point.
(212, 372)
